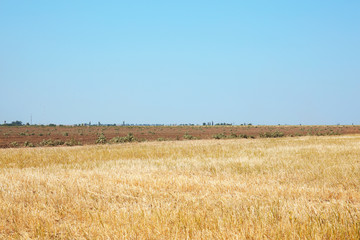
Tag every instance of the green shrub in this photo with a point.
(51, 142)
(275, 134)
(14, 144)
(58, 142)
(101, 139)
(219, 136)
(233, 135)
(28, 144)
(243, 136)
(46, 142)
(116, 140)
(129, 138)
(189, 137)
(331, 132)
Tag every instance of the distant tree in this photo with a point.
(16, 123)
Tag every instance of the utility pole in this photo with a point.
(30, 119)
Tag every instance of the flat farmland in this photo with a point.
(18, 136)
(265, 188)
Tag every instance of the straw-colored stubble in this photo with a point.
(288, 188)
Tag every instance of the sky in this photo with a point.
(173, 62)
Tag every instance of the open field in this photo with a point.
(18, 136)
(266, 188)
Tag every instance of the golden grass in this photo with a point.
(288, 188)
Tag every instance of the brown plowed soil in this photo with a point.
(12, 136)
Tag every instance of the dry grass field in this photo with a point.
(283, 188)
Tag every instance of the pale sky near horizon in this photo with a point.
(260, 62)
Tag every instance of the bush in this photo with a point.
(275, 134)
(58, 142)
(50, 142)
(233, 135)
(101, 139)
(14, 144)
(117, 140)
(189, 137)
(28, 144)
(46, 142)
(219, 136)
(129, 138)
(243, 136)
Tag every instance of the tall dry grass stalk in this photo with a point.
(289, 188)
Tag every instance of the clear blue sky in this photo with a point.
(260, 62)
